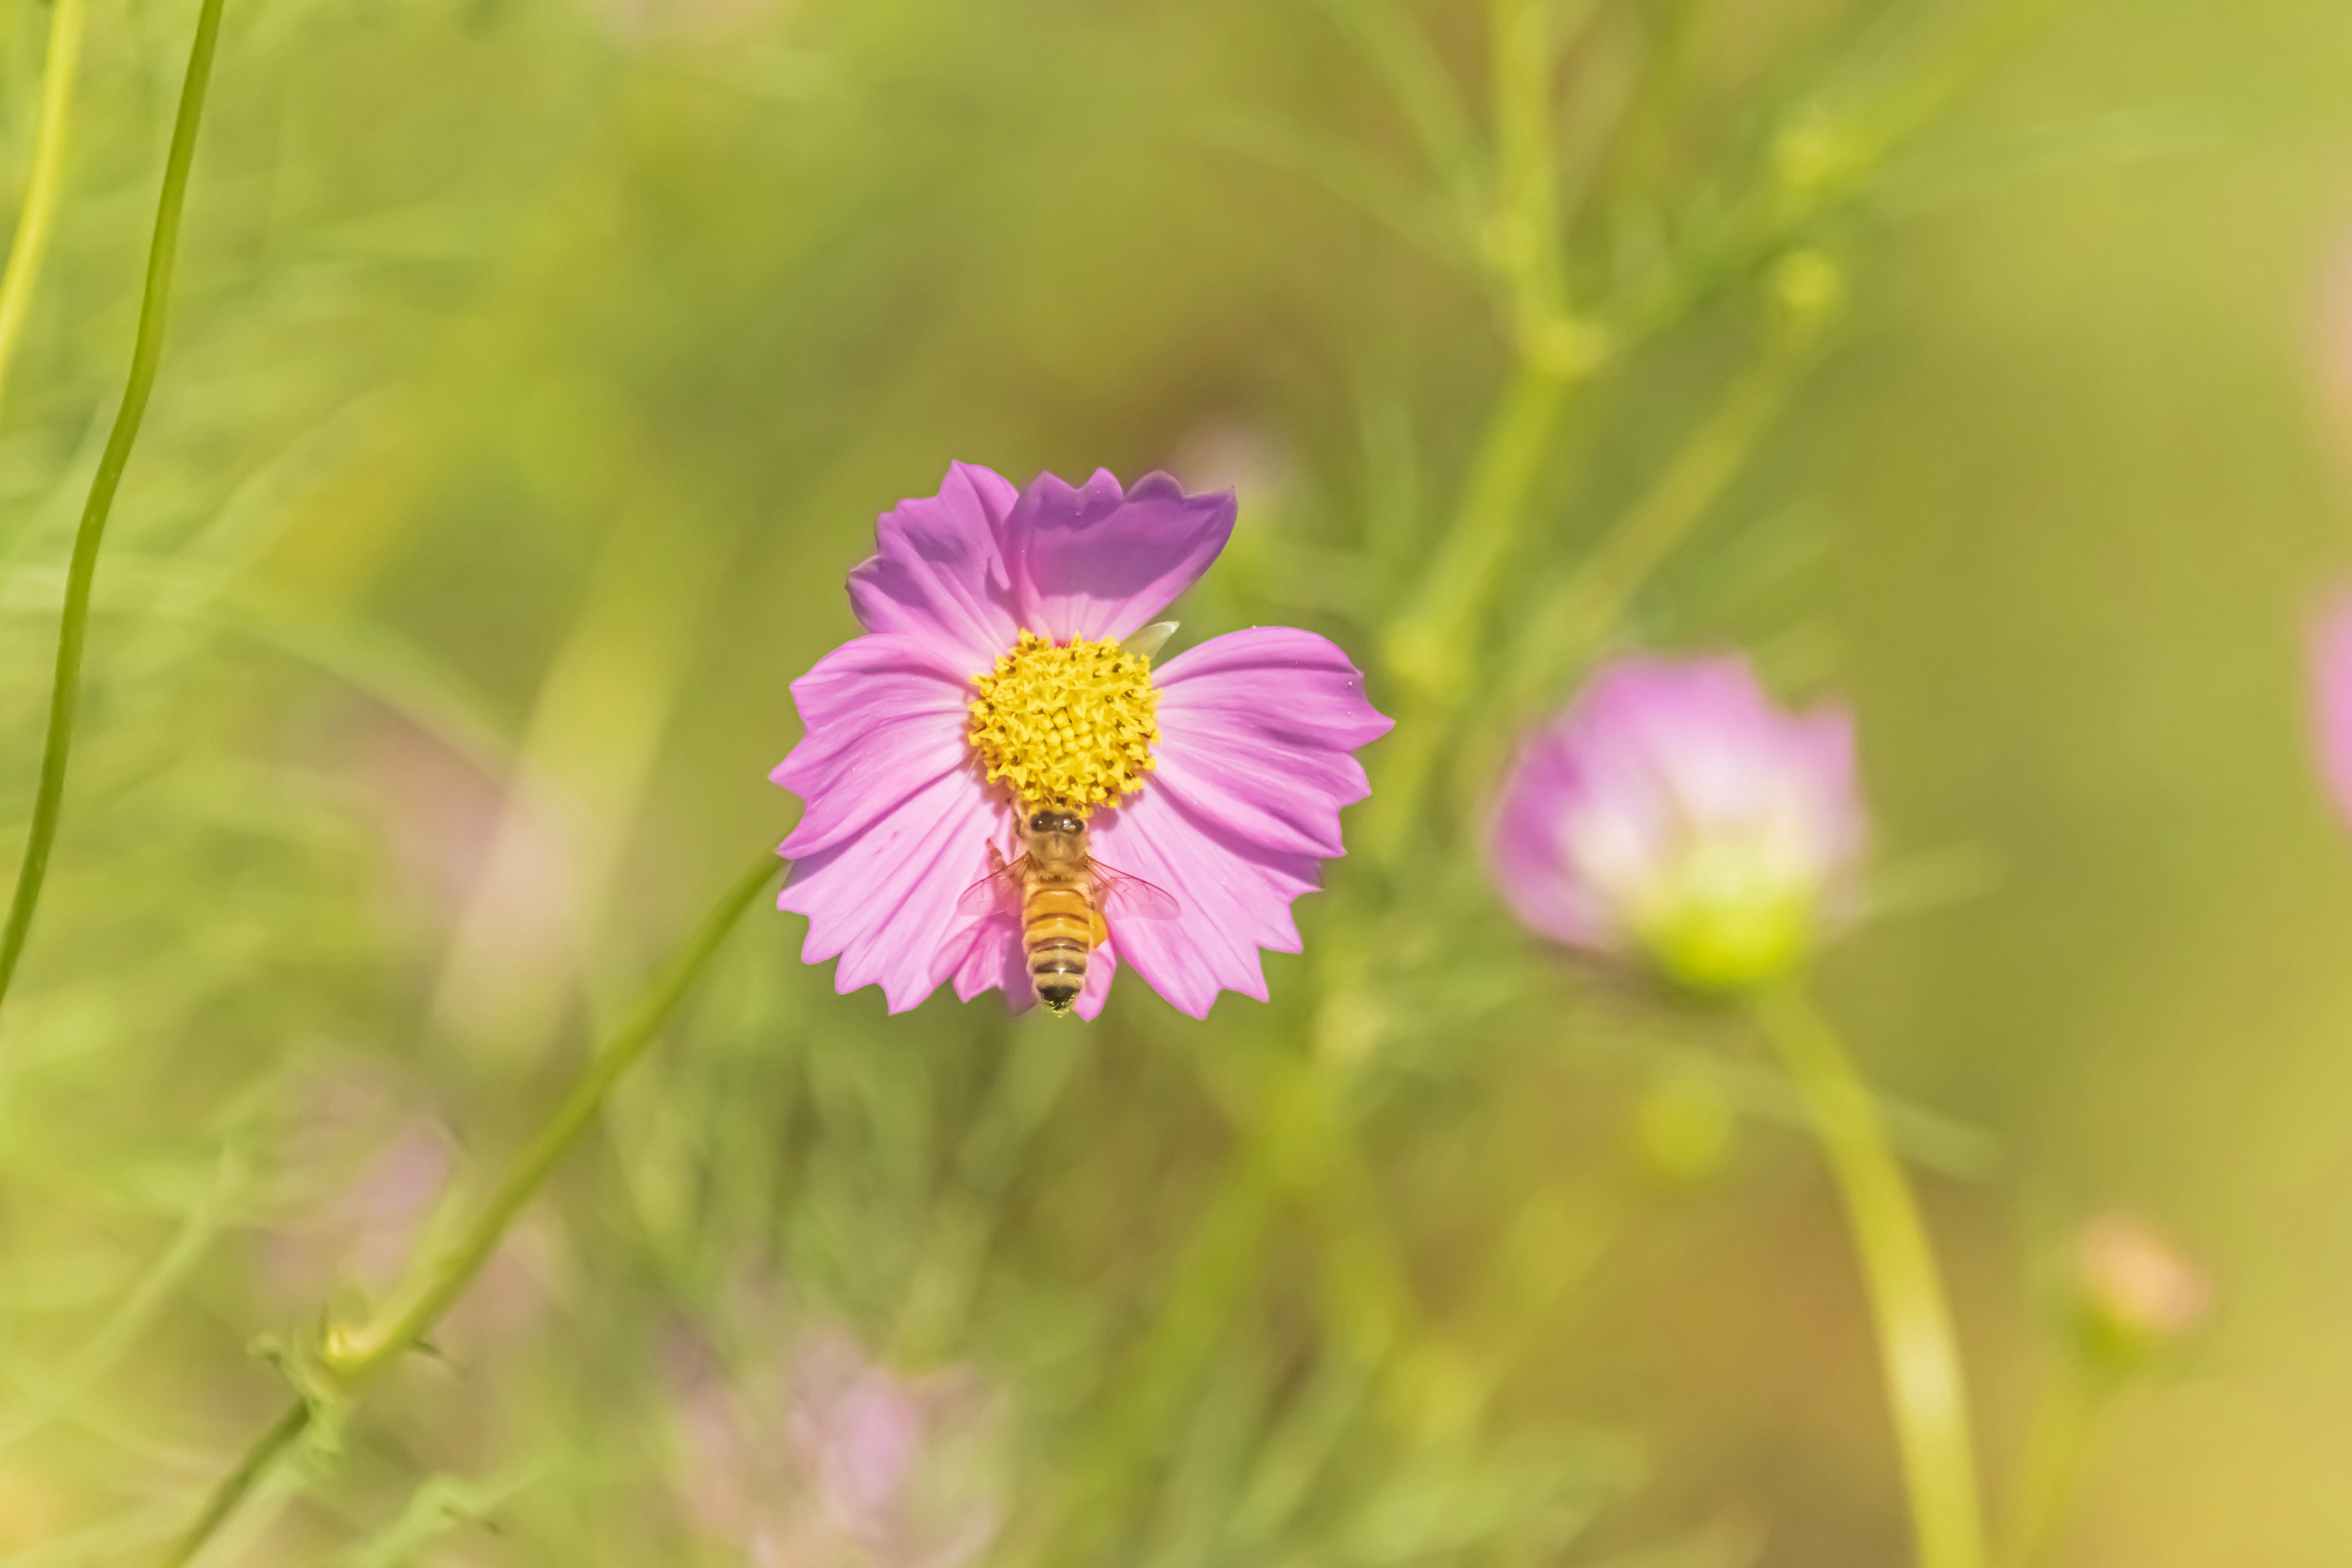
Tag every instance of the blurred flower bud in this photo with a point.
(2331, 700)
(1813, 152)
(1685, 1126)
(1807, 288)
(2134, 1292)
(1676, 813)
(1564, 346)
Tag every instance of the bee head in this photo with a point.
(1056, 822)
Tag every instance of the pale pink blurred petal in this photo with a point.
(1674, 805)
(2331, 700)
(823, 1459)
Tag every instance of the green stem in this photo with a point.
(1523, 243)
(414, 1310)
(37, 216)
(953, 1260)
(73, 626)
(1917, 1346)
(1428, 651)
(258, 1462)
(1583, 608)
(351, 1358)
(2065, 1433)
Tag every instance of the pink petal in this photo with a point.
(2331, 696)
(1235, 899)
(1101, 965)
(937, 574)
(1525, 853)
(987, 956)
(1256, 732)
(1602, 802)
(885, 899)
(883, 717)
(1096, 562)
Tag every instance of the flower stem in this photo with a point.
(37, 215)
(438, 1281)
(351, 1358)
(1917, 1346)
(146, 352)
(1583, 608)
(1428, 650)
(258, 1460)
(2065, 1431)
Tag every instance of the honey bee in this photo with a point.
(1061, 894)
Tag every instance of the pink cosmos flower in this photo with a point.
(992, 674)
(2331, 699)
(1673, 810)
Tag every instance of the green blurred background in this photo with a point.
(538, 370)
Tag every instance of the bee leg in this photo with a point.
(1102, 931)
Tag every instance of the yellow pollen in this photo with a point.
(1070, 728)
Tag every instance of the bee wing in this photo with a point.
(994, 893)
(1121, 894)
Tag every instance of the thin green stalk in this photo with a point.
(1917, 1346)
(1206, 1285)
(146, 352)
(1427, 646)
(1429, 651)
(123, 1327)
(413, 1308)
(37, 215)
(1582, 609)
(258, 1461)
(1523, 240)
(953, 1261)
(351, 1358)
(2058, 1451)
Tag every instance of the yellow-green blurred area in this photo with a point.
(537, 371)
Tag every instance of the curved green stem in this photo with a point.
(37, 215)
(73, 628)
(1428, 651)
(1917, 1346)
(351, 1358)
(257, 1461)
(417, 1305)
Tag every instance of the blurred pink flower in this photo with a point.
(832, 1461)
(362, 1173)
(2331, 698)
(1675, 812)
(1218, 776)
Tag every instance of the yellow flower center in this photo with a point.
(1070, 727)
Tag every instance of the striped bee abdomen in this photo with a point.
(1057, 931)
